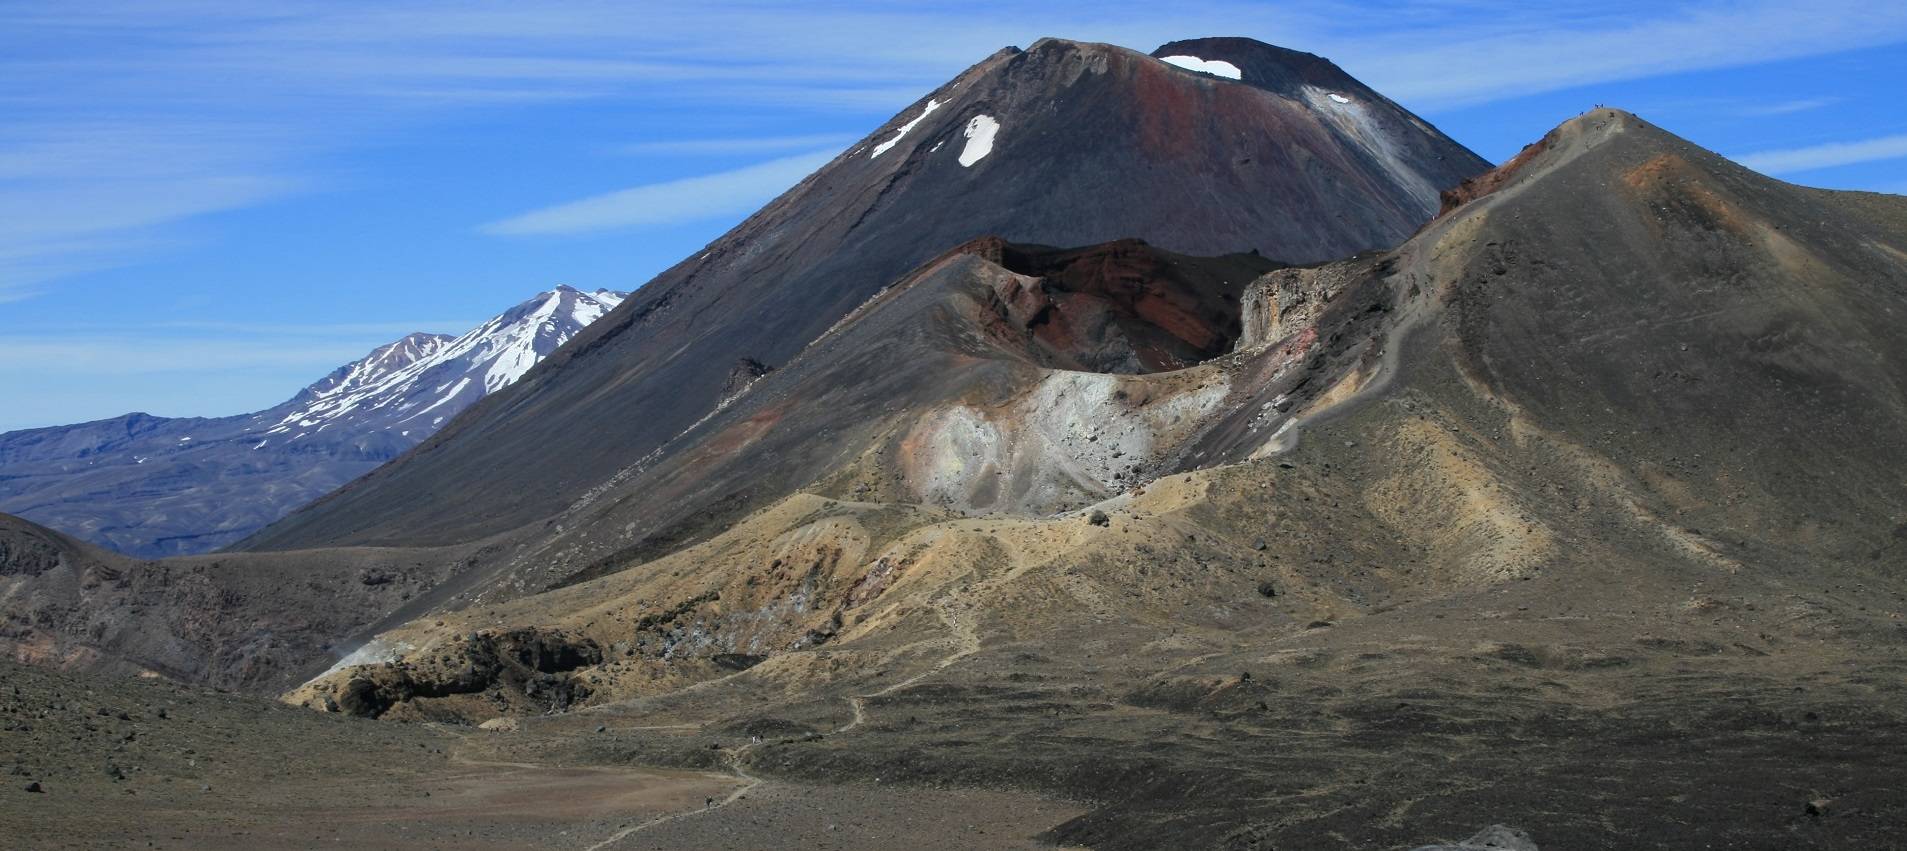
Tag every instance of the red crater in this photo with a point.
(1122, 307)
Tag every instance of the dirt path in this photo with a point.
(964, 639)
(733, 760)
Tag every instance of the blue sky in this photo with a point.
(205, 206)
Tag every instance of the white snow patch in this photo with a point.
(1375, 134)
(461, 384)
(1339, 98)
(883, 147)
(1214, 67)
(980, 132)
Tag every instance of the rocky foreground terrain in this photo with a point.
(1572, 521)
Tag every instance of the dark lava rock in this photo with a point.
(1267, 589)
(529, 660)
(1099, 518)
(744, 373)
(737, 661)
(360, 697)
(35, 787)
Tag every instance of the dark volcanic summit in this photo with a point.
(1064, 143)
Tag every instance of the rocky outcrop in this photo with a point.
(1288, 301)
(1496, 837)
(514, 671)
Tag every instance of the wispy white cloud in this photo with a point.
(737, 145)
(85, 348)
(1545, 47)
(82, 371)
(94, 356)
(1827, 155)
(1787, 107)
(79, 195)
(151, 115)
(385, 331)
(668, 202)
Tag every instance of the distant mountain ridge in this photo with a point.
(158, 486)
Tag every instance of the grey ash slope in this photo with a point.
(155, 486)
(1093, 143)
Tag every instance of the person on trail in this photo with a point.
(709, 804)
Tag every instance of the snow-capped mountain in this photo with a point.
(155, 486)
(417, 383)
